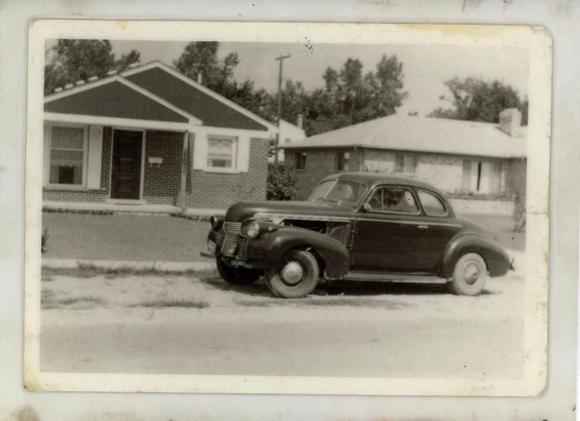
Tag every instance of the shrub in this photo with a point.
(281, 183)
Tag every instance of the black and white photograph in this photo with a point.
(283, 208)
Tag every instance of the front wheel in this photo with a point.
(237, 275)
(469, 275)
(296, 276)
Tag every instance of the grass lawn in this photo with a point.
(124, 237)
(165, 238)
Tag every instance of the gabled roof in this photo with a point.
(211, 108)
(154, 92)
(422, 134)
(114, 97)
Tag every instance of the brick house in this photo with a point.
(481, 166)
(151, 135)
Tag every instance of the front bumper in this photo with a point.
(207, 254)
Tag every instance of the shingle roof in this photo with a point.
(192, 100)
(153, 91)
(112, 100)
(422, 134)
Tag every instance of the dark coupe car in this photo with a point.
(355, 226)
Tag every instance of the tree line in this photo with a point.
(348, 95)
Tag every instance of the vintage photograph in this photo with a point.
(289, 209)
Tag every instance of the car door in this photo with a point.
(438, 229)
(387, 231)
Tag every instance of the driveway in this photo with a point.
(200, 325)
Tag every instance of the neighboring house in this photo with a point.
(465, 159)
(289, 133)
(152, 135)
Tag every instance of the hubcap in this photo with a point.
(292, 273)
(471, 273)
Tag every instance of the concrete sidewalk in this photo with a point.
(138, 208)
(159, 266)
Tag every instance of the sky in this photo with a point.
(425, 67)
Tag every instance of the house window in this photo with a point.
(300, 160)
(405, 163)
(67, 155)
(481, 176)
(221, 151)
(342, 161)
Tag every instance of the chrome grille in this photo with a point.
(219, 236)
(234, 244)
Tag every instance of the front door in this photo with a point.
(387, 232)
(126, 172)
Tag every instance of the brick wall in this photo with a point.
(319, 164)
(162, 181)
(220, 190)
(443, 171)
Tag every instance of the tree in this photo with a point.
(349, 96)
(71, 60)
(478, 100)
(200, 59)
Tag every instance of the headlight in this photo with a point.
(250, 229)
(215, 222)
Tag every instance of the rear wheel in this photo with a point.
(469, 275)
(296, 276)
(237, 275)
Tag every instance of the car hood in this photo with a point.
(244, 210)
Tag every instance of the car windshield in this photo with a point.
(343, 192)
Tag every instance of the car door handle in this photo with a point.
(422, 227)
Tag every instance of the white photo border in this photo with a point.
(534, 39)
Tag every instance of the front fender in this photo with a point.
(272, 246)
(497, 260)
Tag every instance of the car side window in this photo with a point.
(393, 199)
(432, 205)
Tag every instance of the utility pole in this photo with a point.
(280, 60)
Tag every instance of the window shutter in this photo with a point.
(95, 157)
(243, 153)
(199, 152)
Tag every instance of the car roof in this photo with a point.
(373, 179)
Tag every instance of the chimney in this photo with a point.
(300, 121)
(510, 121)
(200, 78)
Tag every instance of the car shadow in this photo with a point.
(366, 288)
(340, 288)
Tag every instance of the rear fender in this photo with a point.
(333, 252)
(496, 259)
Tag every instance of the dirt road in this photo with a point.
(175, 324)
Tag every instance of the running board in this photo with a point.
(412, 278)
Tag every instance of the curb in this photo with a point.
(160, 266)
